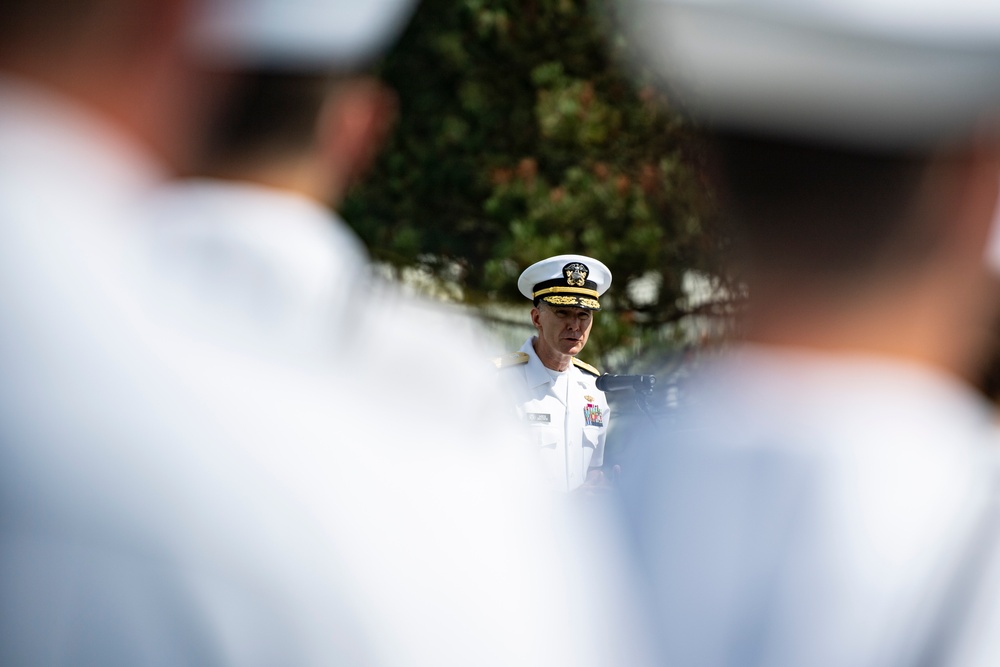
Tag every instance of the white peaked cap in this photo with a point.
(892, 72)
(566, 280)
(298, 33)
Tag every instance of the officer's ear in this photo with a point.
(535, 318)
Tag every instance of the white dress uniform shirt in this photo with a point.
(565, 415)
(813, 509)
(141, 520)
(170, 494)
(271, 258)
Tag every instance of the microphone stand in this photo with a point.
(642, 400)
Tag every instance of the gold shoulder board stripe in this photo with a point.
(587, 367)
(512, 359)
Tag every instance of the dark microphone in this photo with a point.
(609, 382)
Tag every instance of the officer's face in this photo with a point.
(562, 329)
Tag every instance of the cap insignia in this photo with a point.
(576, 274)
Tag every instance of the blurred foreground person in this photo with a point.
(173, 494)
(566, 415)
(827, 496)
(252, 231)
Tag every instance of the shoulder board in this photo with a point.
(511, 359)
(586, 367)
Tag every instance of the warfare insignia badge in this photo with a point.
(576, 274)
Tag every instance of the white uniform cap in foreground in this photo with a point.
(298, 33)
(881, 72)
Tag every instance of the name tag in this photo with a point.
(538, 418)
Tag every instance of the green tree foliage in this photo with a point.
(523, 135)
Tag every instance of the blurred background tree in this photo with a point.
(522, 135)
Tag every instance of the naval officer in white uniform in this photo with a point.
(566, 416)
